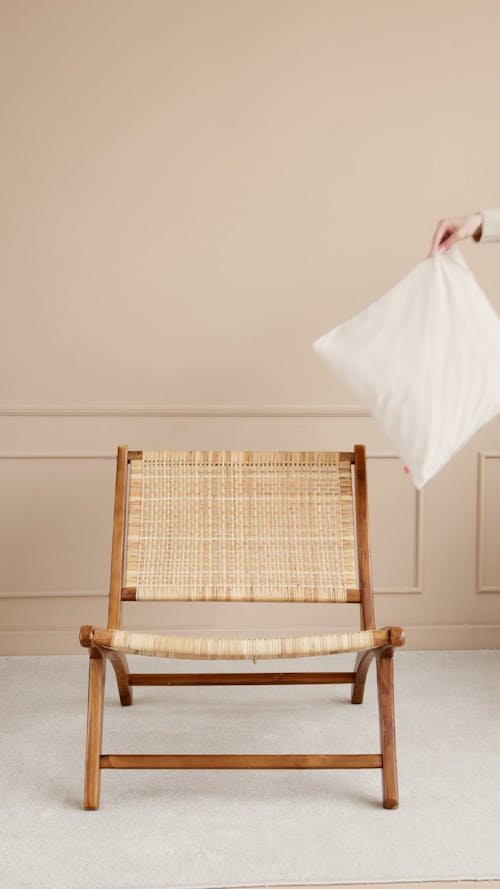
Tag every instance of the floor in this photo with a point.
(194, 829)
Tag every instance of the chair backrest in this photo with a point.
(273, 526)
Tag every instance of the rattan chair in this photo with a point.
(240, 526)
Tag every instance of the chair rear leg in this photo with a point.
(363, 661)
(97, 675)
(385, 684)
(120, 666)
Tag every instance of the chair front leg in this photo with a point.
(385, 684)
(97, 675)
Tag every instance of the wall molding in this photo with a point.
(184, 410)
(57, 455)
(54, 594)
(482, 456)
(417, 587)
(103, 594)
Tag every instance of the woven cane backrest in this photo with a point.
(240, 526)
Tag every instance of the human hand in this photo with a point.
(449, 231)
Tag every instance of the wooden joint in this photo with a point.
(353, 596)
(397, 636)
(385, 651)
(134, 455)
(128, 594)
(87, 636)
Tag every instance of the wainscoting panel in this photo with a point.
(488, 523)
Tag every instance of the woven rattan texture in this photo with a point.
(241, 525)
(211, 648)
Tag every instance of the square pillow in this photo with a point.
(424, 359)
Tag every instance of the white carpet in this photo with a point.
(164, 829)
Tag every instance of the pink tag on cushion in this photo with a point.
(405, 469)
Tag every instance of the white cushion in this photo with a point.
(424, 358)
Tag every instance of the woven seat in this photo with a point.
(223, 647)
(240, 526)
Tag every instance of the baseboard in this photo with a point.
(422, 884)
(438, 637)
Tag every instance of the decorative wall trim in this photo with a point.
(90, 455)
(57, 455)
(54, 594)
(184, 410)
(482, 456)
(417, 587)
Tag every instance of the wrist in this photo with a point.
(478, 221)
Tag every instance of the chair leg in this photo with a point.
(120, 666)
(385, 684)
(363, 661)
(97, 675)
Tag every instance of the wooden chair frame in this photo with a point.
(96, 642)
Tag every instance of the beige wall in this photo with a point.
(194, 191)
